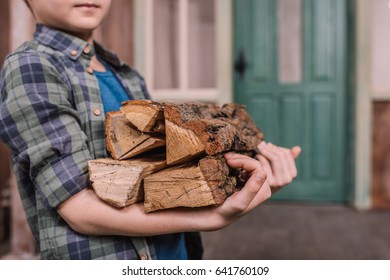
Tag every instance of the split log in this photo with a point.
(123, 141)
(119, 182)
(195, 135)
(145, 115)
(191, 185)
(193, 129)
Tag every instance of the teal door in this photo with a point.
(290, 72)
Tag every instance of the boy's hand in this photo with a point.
(255, 191)
(278, 163)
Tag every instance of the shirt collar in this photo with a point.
(69, 45)
(72, 46)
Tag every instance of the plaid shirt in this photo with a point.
(51, 116)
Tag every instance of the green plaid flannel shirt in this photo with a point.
(51, 116)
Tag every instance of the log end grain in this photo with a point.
(120, 136)
(197, 184)
(119, 182)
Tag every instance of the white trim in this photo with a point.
(139, 35)
(183, 44)
(363, 116)
(148, 44)
(224, 45)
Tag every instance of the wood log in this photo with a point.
(207, 129)
(197, 184)
(119, 182)
(145, 115)
(123, 141)
(194, 172)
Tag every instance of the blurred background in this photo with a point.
(313, 73)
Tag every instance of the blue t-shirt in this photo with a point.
(111, 90)
(168, 246)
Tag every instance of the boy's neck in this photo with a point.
(88, 37)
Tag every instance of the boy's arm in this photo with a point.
(87, 214)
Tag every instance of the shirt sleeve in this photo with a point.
(42, 127)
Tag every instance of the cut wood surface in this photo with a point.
(123, 141)
(145, 115)
(191, 185)
(119, 182)
(182, 144)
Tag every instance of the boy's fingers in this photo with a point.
(282, 162)
(249, 192)
(267, 168)
(242, 161)
(246, 196)
(264, 193)
(278, 161)
(296, 151)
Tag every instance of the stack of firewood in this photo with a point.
(171, 154)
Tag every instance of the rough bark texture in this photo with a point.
(211, 129)
(119, 182)
(198, 184)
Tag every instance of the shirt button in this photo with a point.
(144, 257)
(87, 49)
(96, 112)
(89, 70)
(73, 53)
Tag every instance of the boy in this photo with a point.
(55, 91)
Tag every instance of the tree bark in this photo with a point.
(209, 129)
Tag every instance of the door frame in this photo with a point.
(361, 24)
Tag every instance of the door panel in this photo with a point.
(309, 110)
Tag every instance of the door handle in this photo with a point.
(240, 65)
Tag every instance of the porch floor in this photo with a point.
(287, 231)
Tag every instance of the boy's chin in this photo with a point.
(86, 26)
(81, 28)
